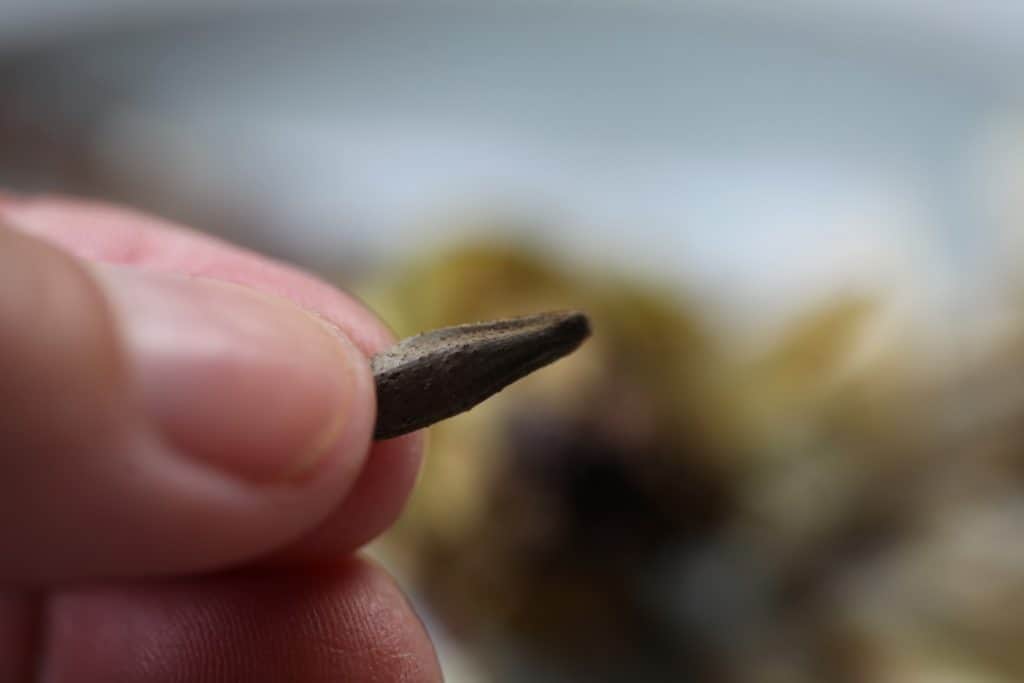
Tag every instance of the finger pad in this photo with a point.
(371, 507)
(350, 624)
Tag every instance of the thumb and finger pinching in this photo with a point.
(153, 423)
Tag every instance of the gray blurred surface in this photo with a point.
(744, 151)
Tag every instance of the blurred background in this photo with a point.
(793, 449)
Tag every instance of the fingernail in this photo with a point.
(244, 381)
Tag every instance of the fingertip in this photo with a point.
(348, 621)
(373, 505)
(260, 454)
(238, 379)
(195, 429)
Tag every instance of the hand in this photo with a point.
(186, 464)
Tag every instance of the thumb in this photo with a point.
(153, 423)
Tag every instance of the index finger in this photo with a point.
(118, 235)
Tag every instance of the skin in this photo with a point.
(186, 462)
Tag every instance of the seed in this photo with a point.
(435, 375)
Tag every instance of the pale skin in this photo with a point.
(186, 462)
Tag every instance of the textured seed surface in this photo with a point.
(435, 375)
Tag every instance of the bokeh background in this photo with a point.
(792, 450)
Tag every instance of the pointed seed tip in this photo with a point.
(403, 407)
(576, 322)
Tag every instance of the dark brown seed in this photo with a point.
(435, 375)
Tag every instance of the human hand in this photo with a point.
(186, 464)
